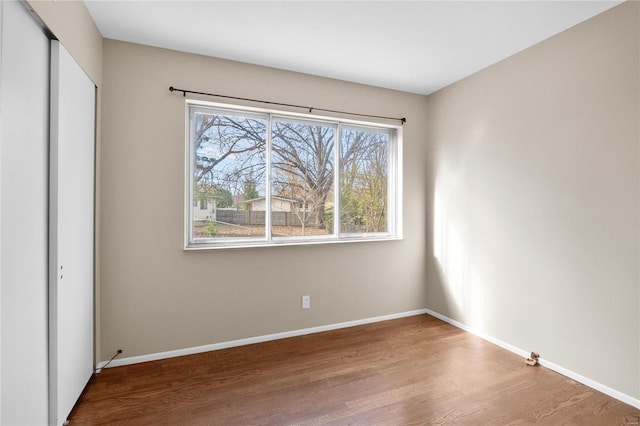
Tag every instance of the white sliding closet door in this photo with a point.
(71, 232)
(24, 185)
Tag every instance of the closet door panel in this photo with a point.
(71, 288)
(24, 138)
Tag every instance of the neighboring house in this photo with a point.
(278, 204)
(204, 209)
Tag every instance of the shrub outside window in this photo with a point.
(260, 177)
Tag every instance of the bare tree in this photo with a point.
(302, 160)
(363, 180)
(228, 150)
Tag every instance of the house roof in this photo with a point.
(291, 200)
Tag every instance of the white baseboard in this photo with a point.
(265, 338)
(627, 399)
(252, 340)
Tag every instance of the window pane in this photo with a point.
(228, 173)
(364, 156)
(249, 168)
(302, 196)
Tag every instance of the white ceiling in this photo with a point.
(414, 46)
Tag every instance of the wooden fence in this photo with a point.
(243, 217)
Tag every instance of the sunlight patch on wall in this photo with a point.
(460, 278)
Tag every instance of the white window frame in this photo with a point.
(394, 185)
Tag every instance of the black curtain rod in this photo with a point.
(184, 93)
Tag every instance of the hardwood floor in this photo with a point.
(417, 370)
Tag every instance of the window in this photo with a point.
(268, 178)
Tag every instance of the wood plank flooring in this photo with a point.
(417, 370)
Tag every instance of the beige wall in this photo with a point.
(157, 297)
(535, 161)
(536, 168)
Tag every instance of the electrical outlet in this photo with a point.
(306, 302)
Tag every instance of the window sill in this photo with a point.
(287, 242)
